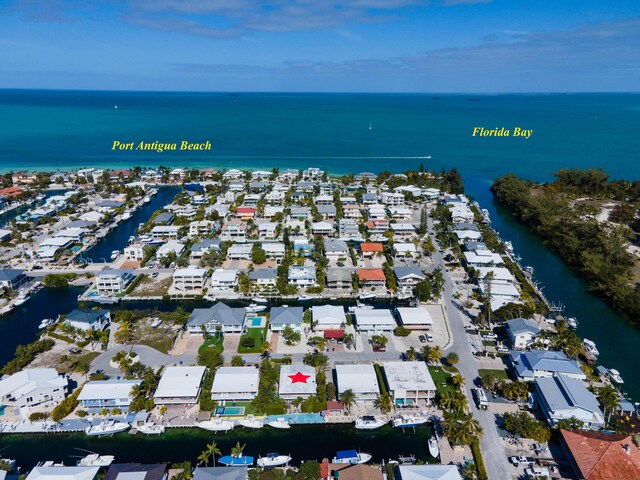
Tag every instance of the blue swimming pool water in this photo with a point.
(256, 322)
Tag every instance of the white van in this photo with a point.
(481, 399)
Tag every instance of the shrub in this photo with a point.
(401, 332)
(65, 407)
(38, 416)
(248, 342)
(275, 409)
(478, 460)
(81, 413)
(25, 354)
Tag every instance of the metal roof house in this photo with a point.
(88, 319)
(409, 382)
(522, 332)
(12, 279)
(221, 473)
(136, 471)
(217, 318)
(179, 385)
(235, 384)
(296, 381)
(282, 317)
(99, 394)
(528, 366)
(361, 379)
(33, 386)
(561, 397)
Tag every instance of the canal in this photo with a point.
(118, 237)
(617, 340)
(302, 442)
(6, 217)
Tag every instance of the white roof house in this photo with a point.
(377, 320)
(428, 472)
(63, 473)
(33, 386)
(297, 381)
(415, 317)
(224, 277)
(361, 379)
(111, 393)
(179, 385)
(328, 317)
(170, 246)
(409, 382)
(501, 275)
(482, 257)
(235, 383)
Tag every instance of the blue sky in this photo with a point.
(485, 46)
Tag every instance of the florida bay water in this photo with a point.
(49, 130)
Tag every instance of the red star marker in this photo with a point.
(299, 378)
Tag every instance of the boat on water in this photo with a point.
(150, 428)
(572, 322)
(106, 427)
(485, 216)
(359, 306)
(259, 300)
(366, 296)
(434, 450)
(615, 376)
(251, 422)
(217, 425)
(104, 299)
(236, 460)
(404, 295)
(114, 254)
(126, 215)
(96, 460)
(351, 457)
(273, 460)
(406, 421)
(590, 347)
(146, 199)
(156, 322)
(279, 422)
(22, 297)
(304, 298)
(209, 298)
(369, 422)
(255, 308)
(46, 323)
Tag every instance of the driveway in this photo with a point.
(148, 356)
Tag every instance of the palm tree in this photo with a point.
(457, 380)
(515, 390)
(203, 458)
(287, 359)
(608, 398)
(435, 355)
(348, 398)
(265, 348)
(384, 402)
(237, 450)
(424, 352)
(213, 450)
(411, 354)
(452, 400)
(460, 427)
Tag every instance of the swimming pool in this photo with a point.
(255, 321)
(229, 411)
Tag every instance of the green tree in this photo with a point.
(411, 354)
(384, 402)
(460, 427)
(348, 398)
(237, 361)
(452, 358)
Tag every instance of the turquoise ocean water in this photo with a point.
(51, 130)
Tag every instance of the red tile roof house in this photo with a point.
(371, 249)
(372, 277)
(601, 456)
(245, 213)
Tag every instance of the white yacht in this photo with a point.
(96, 460)
(22, 297)
(150, 428)
(615, 376)
(114, 254)
(217, 425)
(255, 308)
(46, 323)
(126, 215)
(572, 322)
(405, 421)
(434, 450)
(366, 296)
(351, 456)
(260, 300)
(279, 422)
(106, 427)
(369, 422)
(273, 460)
(251, 422)
(590, 347)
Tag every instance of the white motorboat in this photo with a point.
(572, 322)
(217, 425)
(259, 300)
(146, 199)
(255, 308)
(405, 421)
(150, 428)
(366, 296)
(359, 306)
(46, 323)
(590, 347)
(273, 460)
(106, 427)
(210, 298)
(434, 450)
(22, 297)
(369, 422)
(114, 254)
(351, 457)
(251, 422)
(156, 322)
(615, 376)
(96, 460)
(126, 215)
(279, 422)
(304, 298)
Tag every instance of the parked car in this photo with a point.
(521, 460)
(154, 274)
(502, 349)
(537, 472)
(490, 336)
(429, 337)
(422, 338)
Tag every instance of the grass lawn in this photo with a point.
(499, 374)
(212, 342)
(248, 410)
(74, 362)
(255, 333)
(489, 343)
(441, 378)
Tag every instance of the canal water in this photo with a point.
(7, 216)
(616, 339)
(118, 238)
(303, 442)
